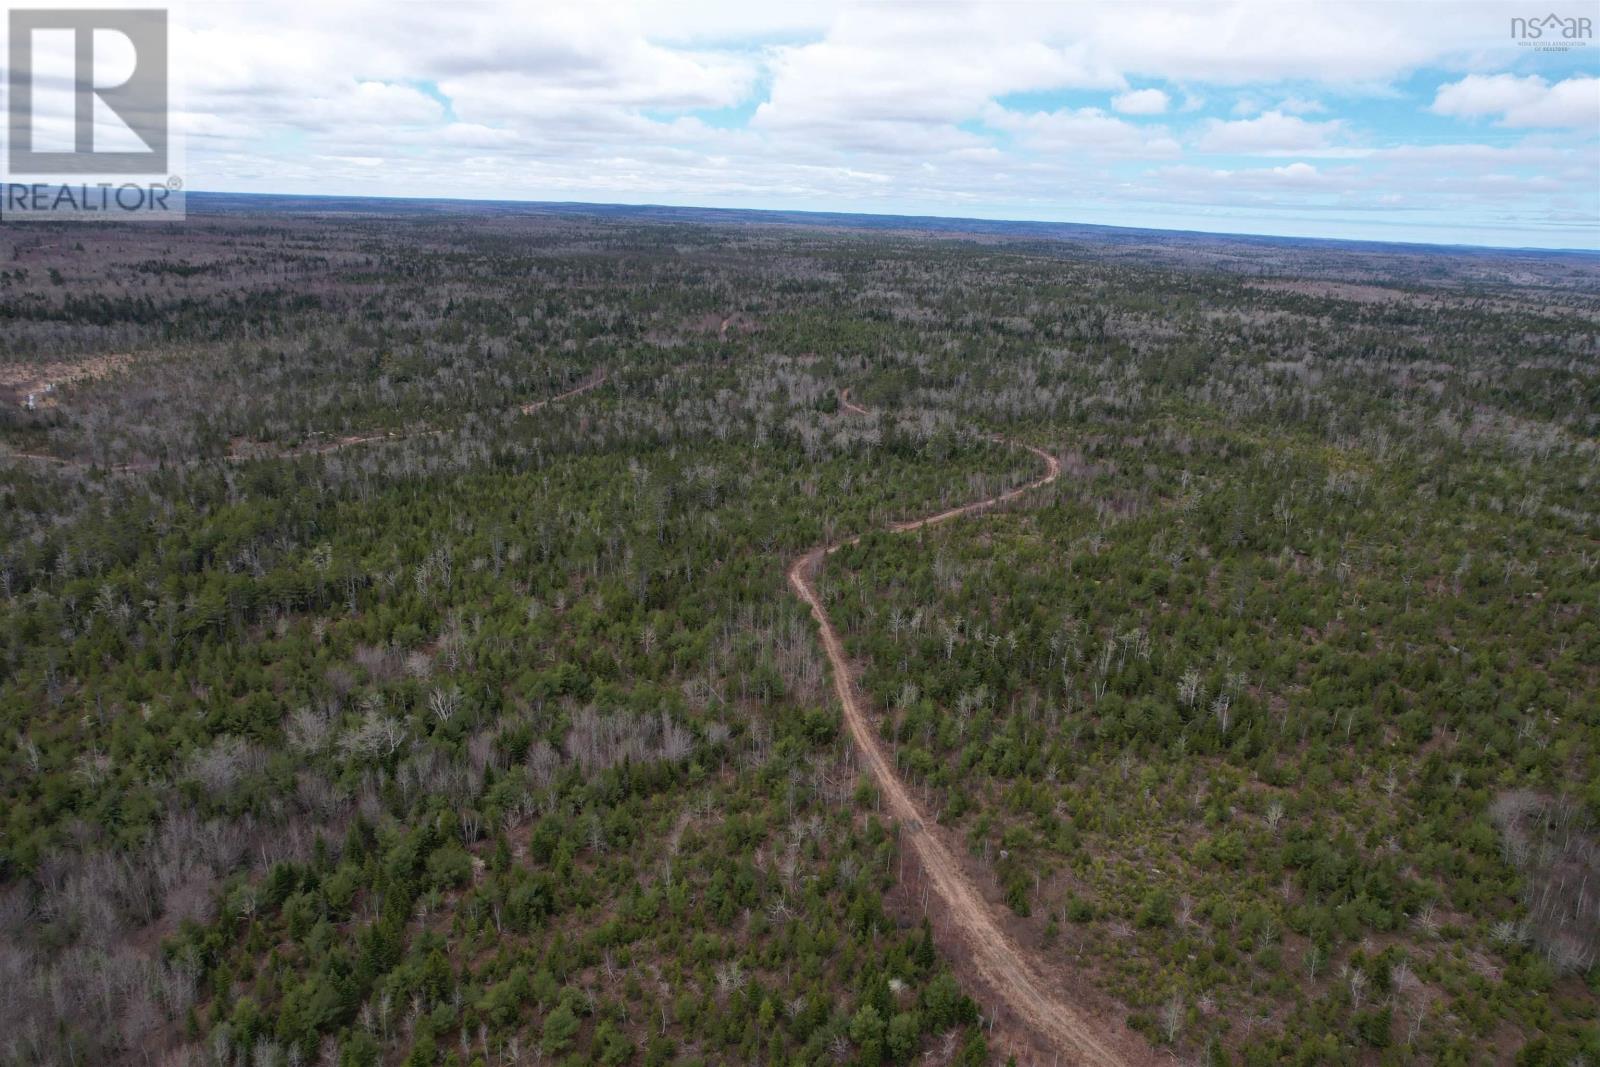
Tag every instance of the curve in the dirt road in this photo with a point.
(1001, 964)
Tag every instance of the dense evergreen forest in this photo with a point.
(397, 663)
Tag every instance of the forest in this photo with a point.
(400, 664)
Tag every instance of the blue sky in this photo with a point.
(1391, 121)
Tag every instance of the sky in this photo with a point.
(1373, 120)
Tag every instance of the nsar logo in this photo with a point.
(1553, 33)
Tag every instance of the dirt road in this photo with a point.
(593, 383)
(320, 448)
(854, 409)
(1055, 1025)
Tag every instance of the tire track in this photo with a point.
(1001, 966)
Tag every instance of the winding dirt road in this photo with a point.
(1003, 969)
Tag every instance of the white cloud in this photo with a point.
(381, 102)
(1290, 176)
(1526, 153)
(1299, 105)
(1141, 102)
(1266, 41)
(1089, 131)
(1297, 172)
(1289, 105)
(1524, 101)
(928, 66)
(1273, 132)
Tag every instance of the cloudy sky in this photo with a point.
(1387, 120)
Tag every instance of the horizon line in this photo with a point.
(845, 214)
